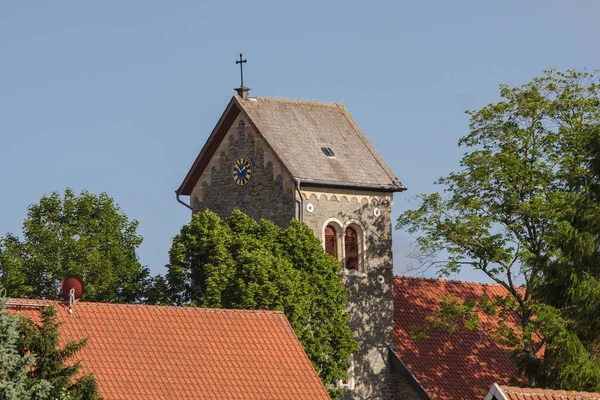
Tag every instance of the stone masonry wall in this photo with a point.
(370, 288)
(268, 194)
(399, 387)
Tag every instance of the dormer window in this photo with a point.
(328, 152)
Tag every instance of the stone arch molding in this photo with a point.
(357, 223)
(336, 223)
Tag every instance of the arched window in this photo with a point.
(351, 247)
(330, 241)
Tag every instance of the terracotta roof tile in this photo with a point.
(459, 365)
(511, 393)
(154, 352)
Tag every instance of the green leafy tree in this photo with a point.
(241, 263)
(86, 235)
(524, 210)
(157, 290)
(52, 363)
(15, 383)
(570, 289)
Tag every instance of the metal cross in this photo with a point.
(241, 61)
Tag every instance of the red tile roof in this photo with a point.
(459, 365)
(157, 352)
(515, 393)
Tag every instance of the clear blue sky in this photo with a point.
(119, 96)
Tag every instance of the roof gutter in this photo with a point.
(354, 185)
(181, 202)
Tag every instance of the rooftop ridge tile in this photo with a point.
(18, 302)
(554, 393)
(297, 100)
(454, 281)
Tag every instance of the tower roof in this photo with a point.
(318, 143)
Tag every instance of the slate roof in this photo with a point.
(157, 352)
(296, 130)
(459, 365)
(516, 393)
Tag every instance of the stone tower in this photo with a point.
(282, 159)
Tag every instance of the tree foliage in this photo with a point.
(86, 235)
(15, 382)
(52, 363)
(241, 263)
(524, 210)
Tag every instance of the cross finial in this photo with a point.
(241, 61)
(242, 90)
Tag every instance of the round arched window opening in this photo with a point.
(330, 241)
(351, 248)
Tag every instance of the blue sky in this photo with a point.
(119, 96)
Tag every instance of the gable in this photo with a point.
(240, 140)
(296, 131)
(158, 352)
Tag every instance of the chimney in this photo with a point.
(242, 91)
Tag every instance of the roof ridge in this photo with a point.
(447, 280)
(296, 100)
(18, 302)
(566, 394)
(13, 302)
(185, 308)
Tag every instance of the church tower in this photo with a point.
(282, 159)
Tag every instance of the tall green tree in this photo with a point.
(54, 364)
(15, 382)
(86, 235)
(241, 263)
(524, 210)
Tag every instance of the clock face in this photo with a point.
(242, 171)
